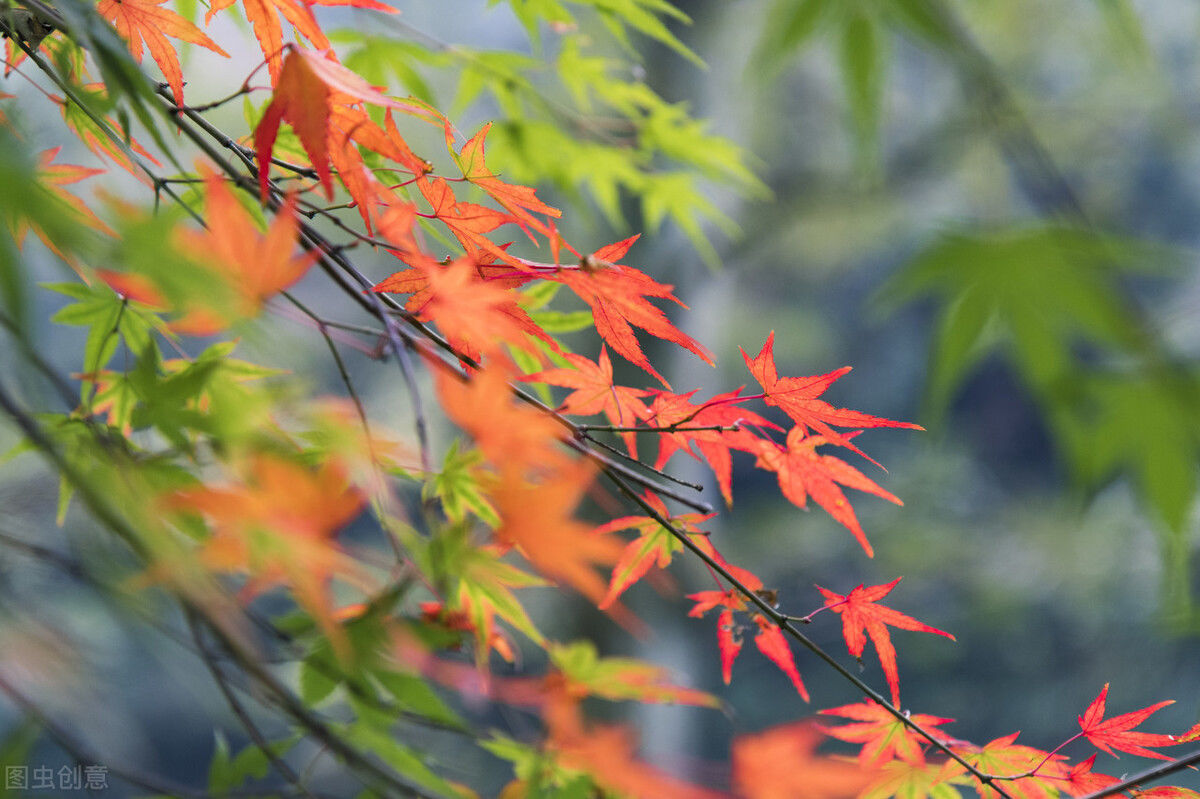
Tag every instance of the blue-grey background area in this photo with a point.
(1051, 592)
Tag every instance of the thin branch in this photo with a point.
(243, 717)
(1151, 774)
(242, 90)
(289, 703)
(81, 755)
(783, 622)
(62, 562)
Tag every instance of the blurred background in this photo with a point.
(990, 209)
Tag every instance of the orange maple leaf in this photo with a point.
(467, 221)
(263, 16)
(476, 315)
(350, 126)
(102, 145)
(595, 393)
(308, 86)
(782, 763)
(797, 396)
(517, 200)
(472, 304)
(146, 20)
(1161, 791)
(861, 615)
(607, 754)
(617, 296)
(55, 176)
(883, 736)
(517, 436)
(255, 265)
(1117, 732)
(52, 178)
(803, 472)
(277, 524)
(537, 517)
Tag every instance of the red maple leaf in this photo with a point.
(1081, 780)
(729, 643)
(883, 736)
(797, 396)
(476, 315)
(655, 544)
(710, 446)
(146, 20)
(861, 617)
(1117, 732)
(308, 87)
(803, 472)
(617, 296)
(769, 639)
(770, 642)
(595, 393)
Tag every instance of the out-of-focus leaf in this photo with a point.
(1045, 289)
(863, 63)
(1148, 425)
(414, 695)
(226, 773)
(1123, 20)
(790, 24)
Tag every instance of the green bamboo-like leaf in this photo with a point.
(863, 65)
(925, 18)
(790, 25)
(1125, 23)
